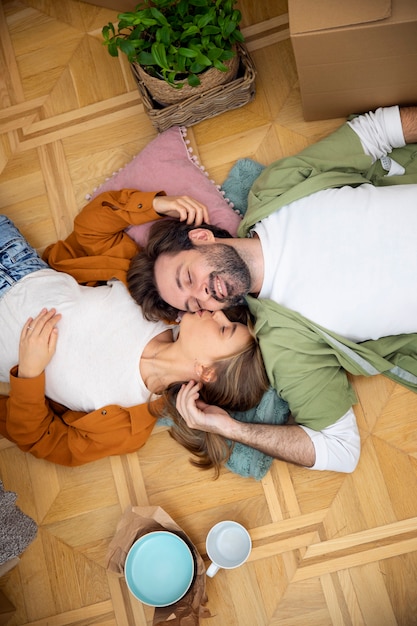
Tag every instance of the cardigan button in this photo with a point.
(140, 206)
(104, 412)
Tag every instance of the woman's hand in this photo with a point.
(185, 208)
(37, 343)
(199, 415)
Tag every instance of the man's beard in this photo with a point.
(228, 265)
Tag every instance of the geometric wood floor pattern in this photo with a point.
(329, 549)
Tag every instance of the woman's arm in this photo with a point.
(102, 222)
(50, 431)
(99, 247)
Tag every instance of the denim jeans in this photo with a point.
(17, 257)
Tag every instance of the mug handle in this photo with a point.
(212, 570)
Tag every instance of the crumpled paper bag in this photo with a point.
(140, 520)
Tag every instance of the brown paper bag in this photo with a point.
(140, 520)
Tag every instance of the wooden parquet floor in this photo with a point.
(329, 549)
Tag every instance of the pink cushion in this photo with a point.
(166, 164)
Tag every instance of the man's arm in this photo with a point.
(384, 129)
(336, 448)
(409, 123)
(286, 442)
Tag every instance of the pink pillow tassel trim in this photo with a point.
(168, 164)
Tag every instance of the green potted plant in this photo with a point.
(178, 45)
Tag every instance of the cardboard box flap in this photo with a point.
(304, 17)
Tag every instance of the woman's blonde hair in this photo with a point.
(241, 381)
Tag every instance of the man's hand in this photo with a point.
(38, 343)
(185, 208)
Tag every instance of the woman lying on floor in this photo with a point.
(88, 363)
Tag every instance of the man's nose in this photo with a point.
(202, 293)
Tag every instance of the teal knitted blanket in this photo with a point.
(239, 180)
(245, 460)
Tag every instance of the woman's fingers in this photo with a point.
(186, 401)
(183, 207)
(38, 343)
(37, 324)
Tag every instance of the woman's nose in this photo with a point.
(219, 316)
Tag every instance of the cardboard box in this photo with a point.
(116, 5)
(354, 56)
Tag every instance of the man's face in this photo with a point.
(210, 277)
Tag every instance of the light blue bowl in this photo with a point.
(159, 568)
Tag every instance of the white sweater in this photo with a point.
(102, 334)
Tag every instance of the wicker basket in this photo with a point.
(204, 104)
(163, 93)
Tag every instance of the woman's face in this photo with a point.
(210, 336)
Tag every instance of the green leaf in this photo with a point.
(164, 35)
(160, 17)
(237, 16)
(203, 20)
(203, 60)
(189, 32)
(181, 65)
(159, 54)
(146, 58)
(147, 22)
(227, 54)
(214, 53)
(108, 31)
(127, 47)
(193, 80)
(196, 68)
(220, 66)
(182, 8)
(210, 30)
(126, 18)
(218, 41)
(228, 28)
(186, 52)
(113, 49)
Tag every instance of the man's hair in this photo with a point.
(166, 236)
(241, 381)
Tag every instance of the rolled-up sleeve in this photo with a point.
(379, 131)
(337, 446)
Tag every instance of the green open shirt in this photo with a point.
(305, 363)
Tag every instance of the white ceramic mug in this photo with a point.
(228, 545)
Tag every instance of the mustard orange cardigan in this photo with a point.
(97, 250)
